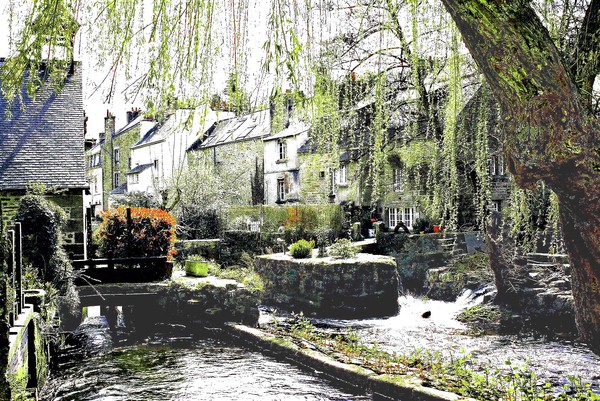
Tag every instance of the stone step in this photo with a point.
(547, 257)
(532, 265)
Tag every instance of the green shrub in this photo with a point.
(343, 249)
(423, 224)
(197, 222)
(388, 243)
(302, 249)
(151, 233)
(42, 222)
(323, 238)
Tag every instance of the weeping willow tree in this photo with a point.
(539, 59)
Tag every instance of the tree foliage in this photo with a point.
(149, 232)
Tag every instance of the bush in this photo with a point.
(302, 249)
(323, 238)
(196, 222)
(343, 249)
(42, 223)
(389, 243)
(423, 224)
(151, 232)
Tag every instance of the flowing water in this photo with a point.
(408, 331)
(205, 368)
(187, 369)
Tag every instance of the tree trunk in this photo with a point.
(496, 250)
(548, 133)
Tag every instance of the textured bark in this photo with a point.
(496, 250)
(548, 132)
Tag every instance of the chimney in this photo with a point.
(109, 125)
(133, 114)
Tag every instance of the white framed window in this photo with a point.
(281, 189)
(401, 214)
(341, 175)
(409, 216)
(117, 156)
(135, 178)
(116, 180)
(397, 180)
(497, 165)
(393, 216)
(282, 149)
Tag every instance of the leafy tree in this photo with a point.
(200, 192)
(540, 59)
(550, 130)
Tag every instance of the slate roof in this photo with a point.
(44, 141)
(293, 130)
(120, 190)
(251, 126)
(150, 137)
(140, 168)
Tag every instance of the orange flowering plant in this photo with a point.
(151, 232)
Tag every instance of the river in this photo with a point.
(168, 367)
(553, 361)
(171, 368)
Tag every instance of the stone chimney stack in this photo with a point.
(109, 125)
(133, 114)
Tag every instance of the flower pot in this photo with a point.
(196, 268)
(436, 229)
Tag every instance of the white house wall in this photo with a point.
(287, 169)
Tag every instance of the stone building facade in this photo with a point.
(43, 142)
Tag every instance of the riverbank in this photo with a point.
(428, 375)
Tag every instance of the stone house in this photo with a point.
(235, 148)
(109, 160)
(161, 154)
(282, 164)
(43, 142)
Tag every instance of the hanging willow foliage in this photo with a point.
(357, 71)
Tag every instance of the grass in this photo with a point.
(459, 375)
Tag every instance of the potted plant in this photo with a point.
(197, 266)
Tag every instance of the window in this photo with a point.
(117, 156)
(497, 165)
(341, 175)
(393, 216)
(321, 174)
(408, 218)
(135, 178)
(397, 180)
(129, 163)
(156, 166)
(280, 189)
(497, 205)
(401, 214)
(116, 180)
(282, 148)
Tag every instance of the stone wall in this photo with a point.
(206, 301)
(363, 286)
(71, 202)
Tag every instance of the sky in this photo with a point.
(95, 103)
